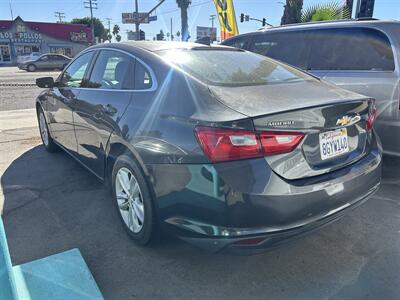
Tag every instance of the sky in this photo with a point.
(199, 12)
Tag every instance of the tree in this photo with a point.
(183, 5)
(160, 36)
(349, 6)
(99, 30)
(292, 12)
(115, 32)
(325, 12)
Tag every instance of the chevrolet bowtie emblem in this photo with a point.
(347, 120)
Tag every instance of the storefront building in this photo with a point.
(19, 39)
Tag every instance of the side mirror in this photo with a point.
(45, 82)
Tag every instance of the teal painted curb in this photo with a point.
(60, 276)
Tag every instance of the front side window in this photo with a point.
(356, 49)
(112, 70)
(73, 75)
(228, 67)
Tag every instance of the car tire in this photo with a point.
(31, 68)
(136, 210)
(47, 140)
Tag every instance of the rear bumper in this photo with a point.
(258, 240)
(220, 207)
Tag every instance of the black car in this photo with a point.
(225, 148)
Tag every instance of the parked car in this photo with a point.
(360, 55)
(228, 149)
(45, 62)
(31, 56)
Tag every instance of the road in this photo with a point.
(52, 204)
(17, 90)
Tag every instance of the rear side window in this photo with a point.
(354, 49)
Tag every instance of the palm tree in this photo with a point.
(325, 12)
(292, 12)
(183, 5)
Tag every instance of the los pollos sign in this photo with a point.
(21, 36)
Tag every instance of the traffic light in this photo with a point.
(365, 9)
(264, 22)
(241, 18)
(142, 35)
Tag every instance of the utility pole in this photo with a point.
(91, 4)
(11, 12)
(212, 18)
(109, 29)
(144, 17)
(59, 15)
(172, 35)
(137, 20)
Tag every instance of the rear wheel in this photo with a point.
(48, 142)
(31, 68)
(133, 199)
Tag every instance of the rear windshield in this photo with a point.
(229, 67)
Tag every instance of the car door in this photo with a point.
(101, 105)
(361, 60)
(61, 102)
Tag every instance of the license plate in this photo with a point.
(333, 143)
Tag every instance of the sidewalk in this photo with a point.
(17, 119)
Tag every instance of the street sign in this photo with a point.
(203, 32)
(152, 18)
(133, 18)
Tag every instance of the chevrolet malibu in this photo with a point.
(227, 149)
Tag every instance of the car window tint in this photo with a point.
(235, 42)
(112, 70)
(289, 47)
(350, 49)
(143, 80)
(73, 75)
(44, 58)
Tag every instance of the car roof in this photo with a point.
(154, 46)
(326, 24)
(335, 23)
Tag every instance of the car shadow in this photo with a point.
(52, 204)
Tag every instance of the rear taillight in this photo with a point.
(230, 144)
(279, 142)
(227, 144)
(371, 116)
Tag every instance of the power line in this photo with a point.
(59, 15)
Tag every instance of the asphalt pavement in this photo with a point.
(52, 204)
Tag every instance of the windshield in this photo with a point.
(229, 67)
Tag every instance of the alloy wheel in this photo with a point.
(43, 129)
(130, 200)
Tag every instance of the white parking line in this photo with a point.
(15, 119)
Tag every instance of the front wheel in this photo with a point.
(134, 201)
(47, 141)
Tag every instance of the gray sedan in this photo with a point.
(46, 62)
(227, 149)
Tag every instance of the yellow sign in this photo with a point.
(227, 19)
